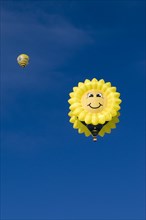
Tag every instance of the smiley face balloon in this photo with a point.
(94, 107)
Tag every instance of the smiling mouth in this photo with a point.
(94, 107)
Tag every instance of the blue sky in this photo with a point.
(48, 170)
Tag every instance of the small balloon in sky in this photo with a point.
(94, 107)
(23, 60)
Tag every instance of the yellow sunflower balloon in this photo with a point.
(94, 107)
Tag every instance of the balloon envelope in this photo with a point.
(23, 60)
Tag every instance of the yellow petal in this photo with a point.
(117, 107)
(101, 119)
(94, 119)
(80, 131)
(113, 112)
(75, 89)
(116, 94)
(74, 106)
(71, 94)
(113, 89)
(87, 81)
(82, 116)
(70, 113)
(88, 118)
(94, 85)
(108, 117)
(73, 100)
(94, 80)
(118, 101)
(72, 119)
(88, 86)
(77, 111)
(100, 83)
(75, 125)
(80, 84)
(87, 133)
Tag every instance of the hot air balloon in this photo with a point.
(23, 60)
(94, 107)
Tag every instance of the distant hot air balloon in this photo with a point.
(23, 60)
(94, 107)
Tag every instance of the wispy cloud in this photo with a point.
(47, 31)
(50, 40)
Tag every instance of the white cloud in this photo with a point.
(54, 29)
(50, 40)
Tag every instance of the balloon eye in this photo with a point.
(90, 95)
(99, 95)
